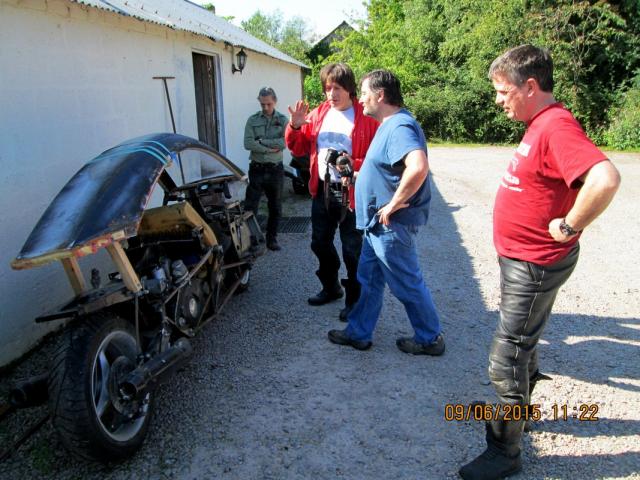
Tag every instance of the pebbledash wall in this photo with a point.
(74, 81)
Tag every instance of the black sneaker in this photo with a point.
(409, 345)
(325, 297)
(492, 464)
(339, 337)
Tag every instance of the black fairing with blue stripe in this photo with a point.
(110, 192)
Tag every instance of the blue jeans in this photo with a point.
(389, 256)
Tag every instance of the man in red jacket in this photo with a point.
(338, 124)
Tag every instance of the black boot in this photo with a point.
(272, 244)
(533, 380)
(331, 289)
(352, 294)
(502, 456)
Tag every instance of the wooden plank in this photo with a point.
(25, 263)
(74, 274)
(129, 276)
(173, 217)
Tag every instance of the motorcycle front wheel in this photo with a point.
(92, 419)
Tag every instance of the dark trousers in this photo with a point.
(324, 224)
(528, 292)
(267, 178)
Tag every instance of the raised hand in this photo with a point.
(298, 114)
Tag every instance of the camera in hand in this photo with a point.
(333, 196)
(332, 156)
(343, 164)
(341, 161)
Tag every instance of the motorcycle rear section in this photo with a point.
(176, 266)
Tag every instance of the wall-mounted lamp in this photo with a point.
(241, 58)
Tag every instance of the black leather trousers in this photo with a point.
(528, 292)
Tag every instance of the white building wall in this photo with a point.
(74, 81)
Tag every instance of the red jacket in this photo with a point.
(305, 141)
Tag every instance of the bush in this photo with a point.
(624, 129)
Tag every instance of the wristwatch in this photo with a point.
(567, 229)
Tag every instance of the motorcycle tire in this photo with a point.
(91, 421)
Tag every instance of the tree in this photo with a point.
(291, 36)
(441, 51)
(595, 54)
(624, 128)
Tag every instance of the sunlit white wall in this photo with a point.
(74, 81)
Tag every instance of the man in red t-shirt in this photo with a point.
(556, 184)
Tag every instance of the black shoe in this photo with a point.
(409, 345)
(492, 464)
(272, 244)
(325, 297)
(344, 313)
(340, 337)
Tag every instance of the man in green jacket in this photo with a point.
(264, 138)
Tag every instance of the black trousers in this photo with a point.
(267, 178)
(528, 292)
(324, 223)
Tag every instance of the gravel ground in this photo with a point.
(266, 396)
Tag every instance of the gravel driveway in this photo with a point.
(266, 396)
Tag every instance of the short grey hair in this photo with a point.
(267, 92)
(521, 63)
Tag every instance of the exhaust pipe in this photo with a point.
(155, 370)
(31, 392)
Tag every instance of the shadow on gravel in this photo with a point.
(602, 427)
(598, 350)
(266, 396)
(583, 347)
(589, 467)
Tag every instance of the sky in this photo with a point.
(322, 16)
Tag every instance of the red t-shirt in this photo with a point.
(541, 183)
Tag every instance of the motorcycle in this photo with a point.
(176, 266)
(298, 172)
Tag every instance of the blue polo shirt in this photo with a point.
(380, 174)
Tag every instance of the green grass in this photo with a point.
(444, 143)
(615, 150)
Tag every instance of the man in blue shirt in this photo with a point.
(392, 201)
